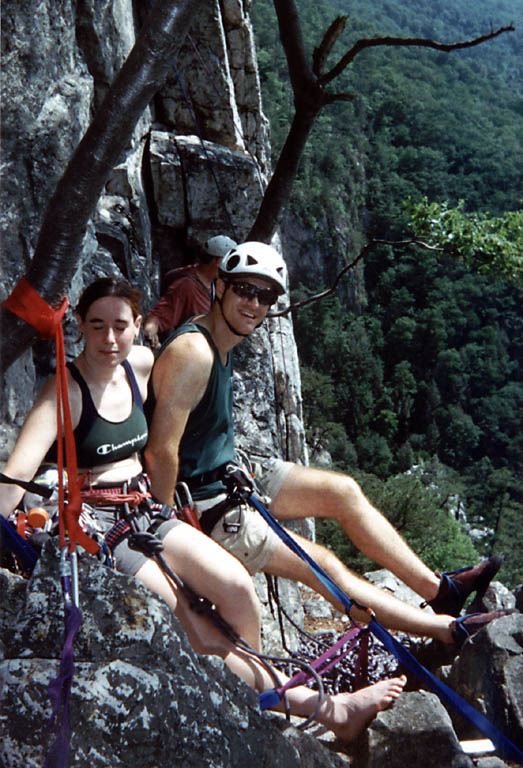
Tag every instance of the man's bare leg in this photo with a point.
(389, 611)
(309, 492)
(212, 573)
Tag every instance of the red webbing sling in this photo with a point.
(27, 303)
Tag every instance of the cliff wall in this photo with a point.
(196, 166)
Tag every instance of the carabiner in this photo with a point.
(183, 496)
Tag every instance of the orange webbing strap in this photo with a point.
(27, 303)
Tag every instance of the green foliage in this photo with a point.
(490, 245)
(447, 126)
(436, 370)
(494, 505)
(433, 366)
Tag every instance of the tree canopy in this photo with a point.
(428, 371)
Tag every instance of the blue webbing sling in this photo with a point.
(446, 694)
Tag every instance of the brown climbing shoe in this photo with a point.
(456, 586)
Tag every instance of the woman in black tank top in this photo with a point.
(106, 385)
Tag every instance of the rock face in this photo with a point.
(497, 694)
(140, 695)
(416, 731)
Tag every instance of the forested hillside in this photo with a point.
(429, 373)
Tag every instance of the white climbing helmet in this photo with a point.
(256, 260)
(219, 245)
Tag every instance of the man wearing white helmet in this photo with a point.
(191, 440)
(189, 290)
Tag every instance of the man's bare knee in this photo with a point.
(347, 499)
(239, 597)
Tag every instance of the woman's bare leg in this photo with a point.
(210, 572)
(346, 714)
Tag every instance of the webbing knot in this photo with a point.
(26, 302)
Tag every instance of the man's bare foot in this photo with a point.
(347, 714)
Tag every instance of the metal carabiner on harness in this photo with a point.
(242, 481)
(185, 504)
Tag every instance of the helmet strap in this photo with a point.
(227, 323)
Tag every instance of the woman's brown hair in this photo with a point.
(109, 286)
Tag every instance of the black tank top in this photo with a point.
(100, 441)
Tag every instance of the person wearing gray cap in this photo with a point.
(189, 290)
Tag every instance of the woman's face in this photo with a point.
(109, 330)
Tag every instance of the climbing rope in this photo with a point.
(27, 303)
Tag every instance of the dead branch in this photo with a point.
(373, 42)
(364, 251)
(330, 37)
(311, 95)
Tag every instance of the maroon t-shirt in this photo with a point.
(186, 296)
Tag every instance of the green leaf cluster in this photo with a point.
(488, 245)
(434, 370)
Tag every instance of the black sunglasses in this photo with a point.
(266, 296)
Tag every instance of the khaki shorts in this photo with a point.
(243, 531)
(270, 475)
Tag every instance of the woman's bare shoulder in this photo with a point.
(141, 358)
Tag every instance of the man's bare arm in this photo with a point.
(180, 377)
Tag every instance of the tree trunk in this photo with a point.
(279, 188)
(69, 210)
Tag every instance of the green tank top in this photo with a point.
(208, 440)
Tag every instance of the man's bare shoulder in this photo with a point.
(190, 346)
(141, 358)
(185, 362)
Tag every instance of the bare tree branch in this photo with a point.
(407, 41)
(301, 76)
(330, 37)
(310, 96)
(364, 251)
